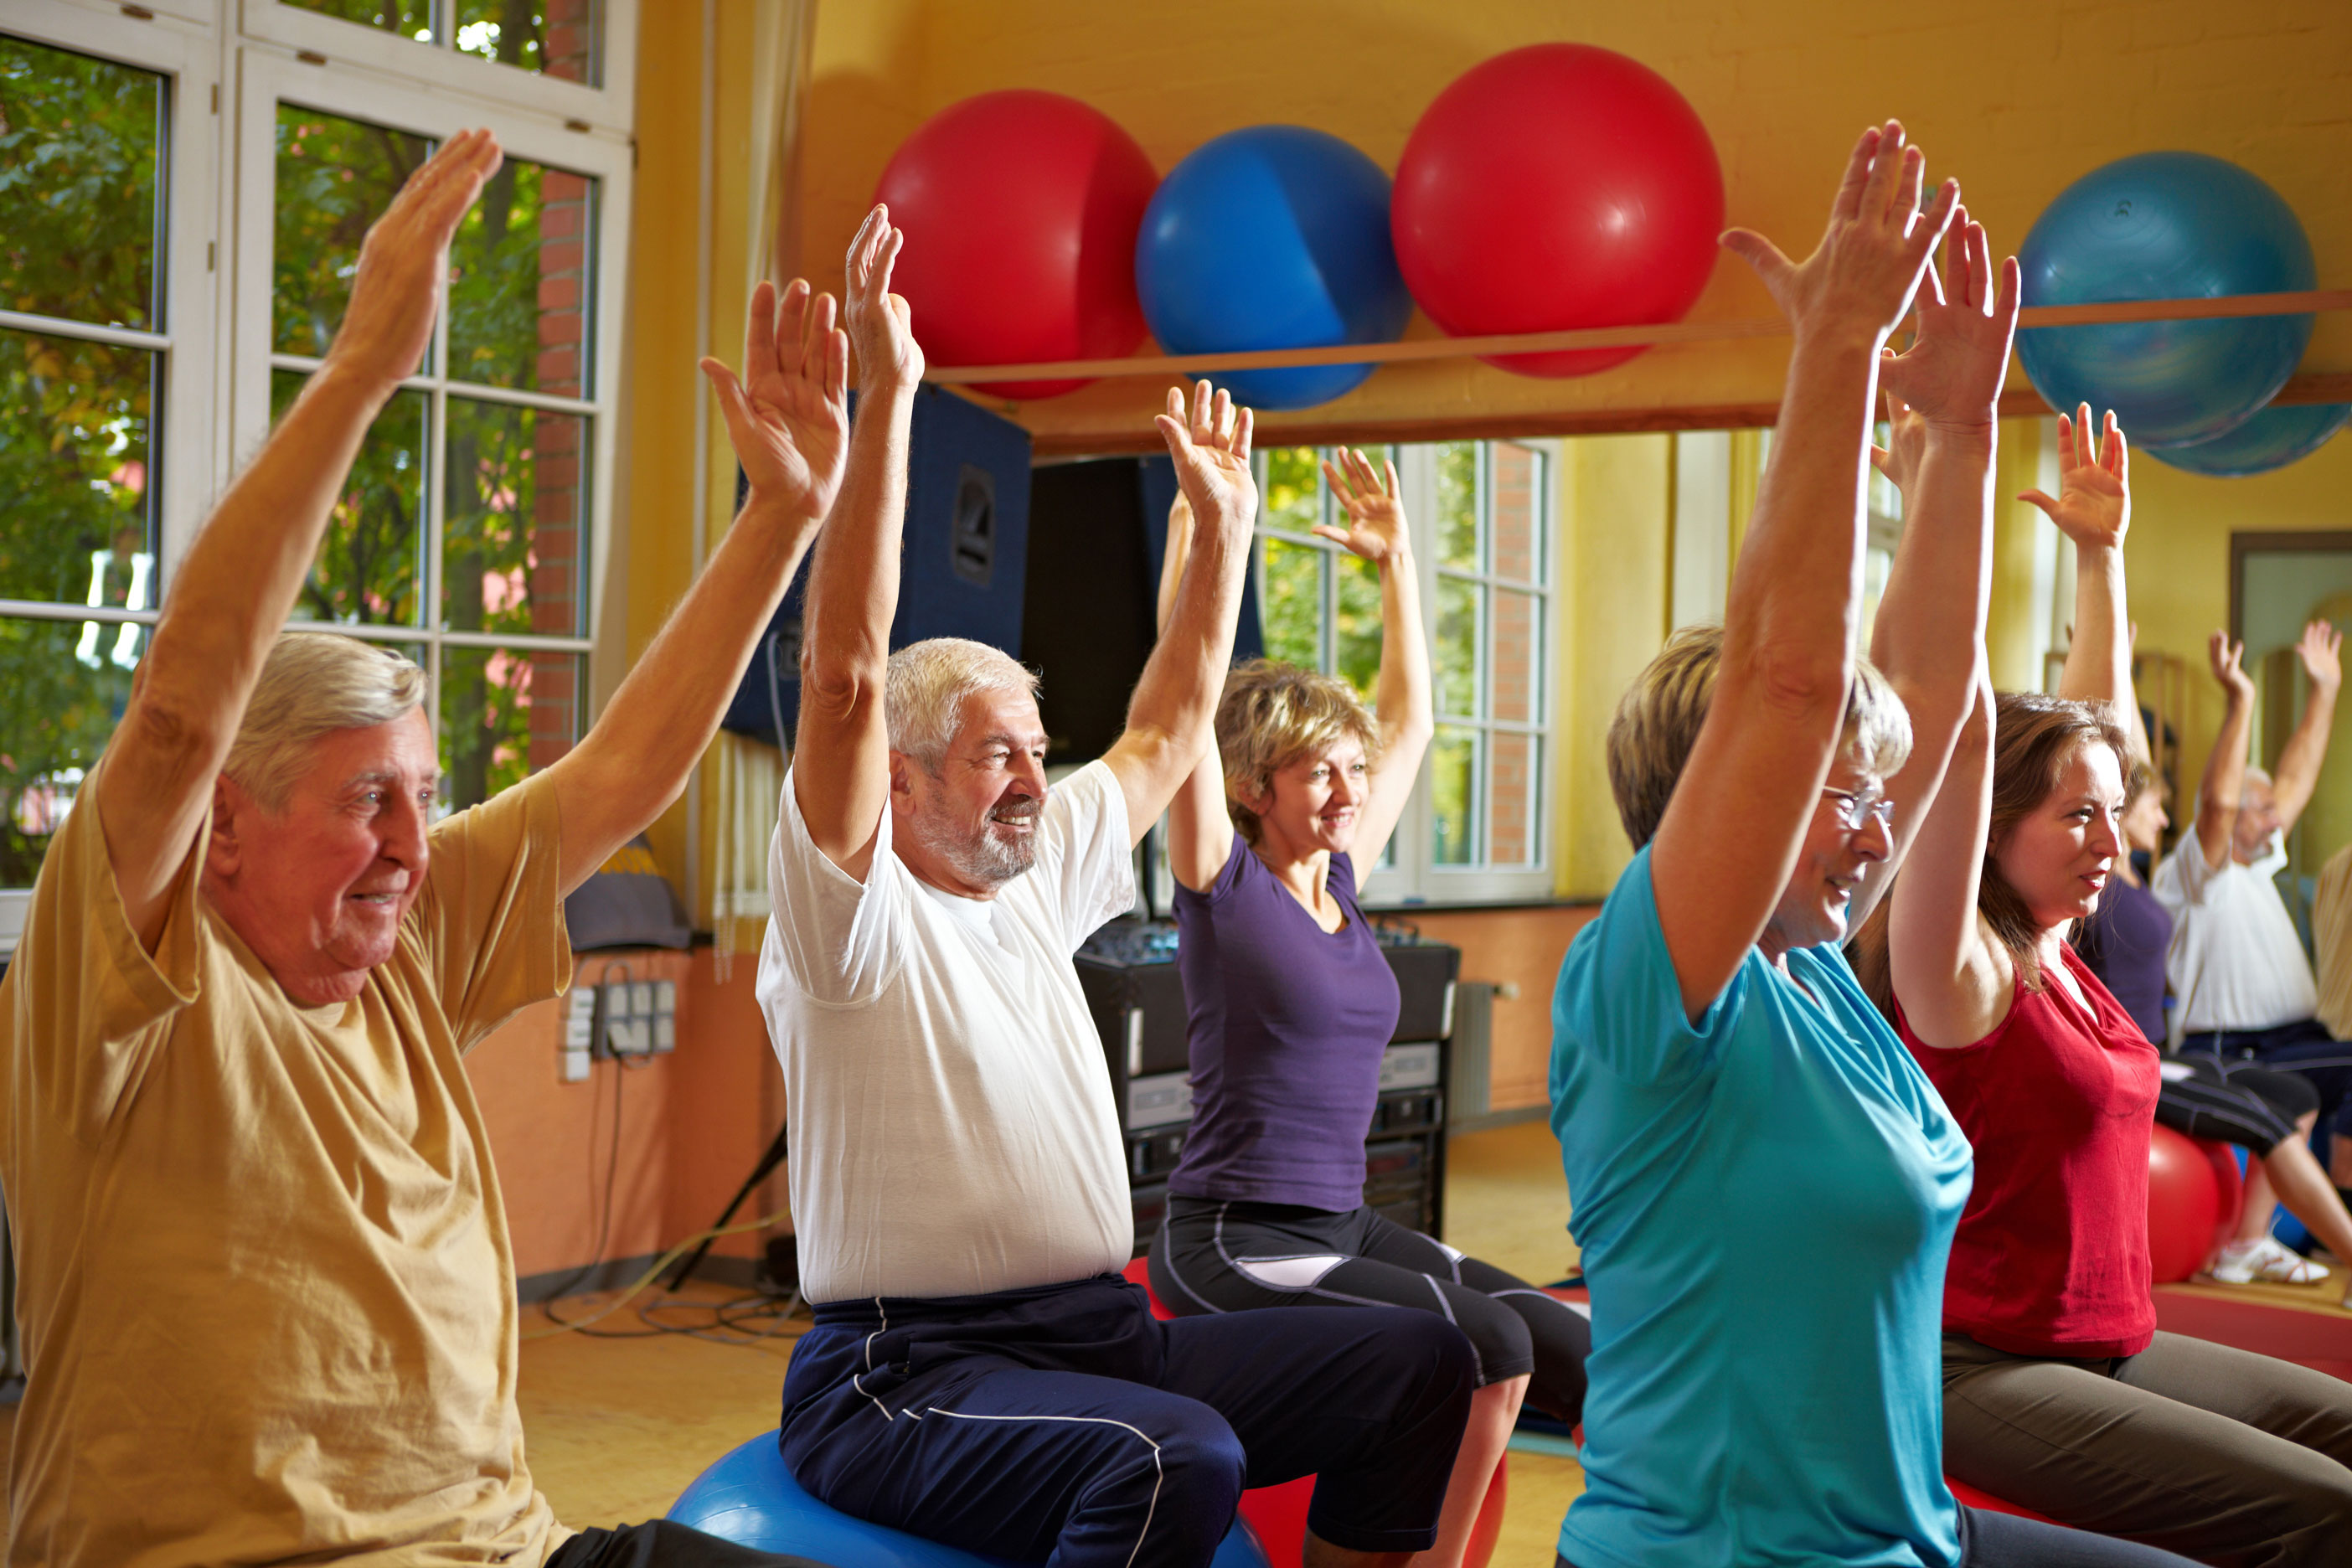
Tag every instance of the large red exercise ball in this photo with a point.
(2271, 439)
(1020, 209)
(2194, 1192)
(1275, 236)
(2166, 225)
(1557, 186)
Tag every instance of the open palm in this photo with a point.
(2322, 648)
(2093, 503)
(1953, 371)
(1212, 451)
(788, 417)
(1376, 521)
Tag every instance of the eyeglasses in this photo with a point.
(1855, 807)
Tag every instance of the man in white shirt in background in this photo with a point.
(2240, 984)
(978, 1373)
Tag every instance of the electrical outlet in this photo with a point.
(665, 1017)
(578, 1034)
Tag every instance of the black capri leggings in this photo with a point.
(2233, 1101)
(1214, 1256)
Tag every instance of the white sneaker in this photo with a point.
(2263, 1260)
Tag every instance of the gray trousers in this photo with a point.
(2219, 1454)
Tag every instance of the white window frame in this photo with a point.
(188, 261)
(1412, 879)
(610, 107)
(271, 81)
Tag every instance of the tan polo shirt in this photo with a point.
(266, 1290)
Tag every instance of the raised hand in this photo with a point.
(2321, 651)
(1953, 371)
(2093, 504)
(1212, 449)
(1907, 441)
(404, 260)
(788, 417)
(1376, 524)
(2224, 653)
(1861, 276)
(880, 323)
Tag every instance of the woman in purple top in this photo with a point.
(2233, 1101)
(1292, 1005)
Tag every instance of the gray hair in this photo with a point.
(313, 684)
(924, 693)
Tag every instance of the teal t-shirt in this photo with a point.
(1765, 1201)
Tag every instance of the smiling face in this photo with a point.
(2058, 855)
(318, 889)
(971, 826)
(1830, 864)
(1315, 801)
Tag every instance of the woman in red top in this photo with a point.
(2059, 1392)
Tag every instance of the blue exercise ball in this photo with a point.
(1272, 236)
(751, 1499)
(2166, 225)
(2271, 439)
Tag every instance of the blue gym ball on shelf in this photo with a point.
(1272, 236)
(2166, 225)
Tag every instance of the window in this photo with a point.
(1481, 513)
(137, 208)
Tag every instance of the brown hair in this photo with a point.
(2034, 737)
(1659, 718)
(1274, 713)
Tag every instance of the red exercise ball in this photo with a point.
(1020, 210)
(1557, 186)
(2194, 1195)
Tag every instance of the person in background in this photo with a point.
(1292, 1007)
(979, 1373)
(2243, 986)
(2059, 1392)
(1764, 1184)
(266, 1288)
(2228, 1099)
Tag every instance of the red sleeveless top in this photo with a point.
(2050, 1258)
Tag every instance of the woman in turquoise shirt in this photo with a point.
(1765, 1186)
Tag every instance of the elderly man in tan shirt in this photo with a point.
(266, 1288)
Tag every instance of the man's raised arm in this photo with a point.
(2321, 649)
(2225, 766)
(788, 420)
(841, 756)
(1168, 718)
(233, 594)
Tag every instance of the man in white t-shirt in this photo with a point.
(978, 1373)
(2240, 984)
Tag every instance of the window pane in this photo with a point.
(370, 566)
(76, 523)
(1457, 504)
(520, 282)
(409, 18)
(334, 178)
(62, 688)
(514, 547)
(1356, 639)
(80, 141)
(1457, 646)
(1515, 681)
(504, 715)
(1515, 511)
(1293, 605)
(553, 38)
(1512, 793)
(1294, 489)
(1453, 796)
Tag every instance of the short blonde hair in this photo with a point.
(312, 685)
(1658, 720)
(1271, 715)
(924, 691)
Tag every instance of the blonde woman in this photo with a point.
(1292, 1005)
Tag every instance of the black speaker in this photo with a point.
(964, 566)
(1098, 531)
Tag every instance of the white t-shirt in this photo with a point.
(2236, 960)
(952, 1127)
